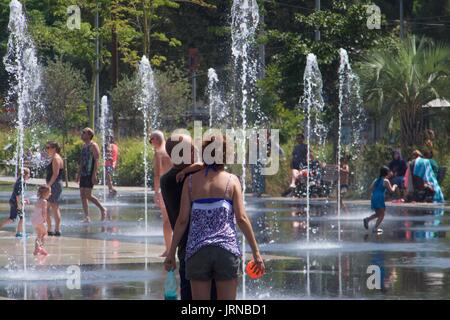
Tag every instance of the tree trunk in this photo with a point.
(411, 127)
(114, 57)
(146, 30)
(91, 111)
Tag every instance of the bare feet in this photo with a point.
(86, 220)
(104, 214)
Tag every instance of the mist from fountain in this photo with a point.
(244, 25)
(351, 115)
(218, 112)
(106, 132)
(146, 102)
(21, 63)
(313, 105)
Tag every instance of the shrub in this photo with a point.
(366, 168)
(130, 166)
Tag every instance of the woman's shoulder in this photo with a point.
(234, 179)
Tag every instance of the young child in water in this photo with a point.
(379, 187)
(345, 175)
(39, 218)
(15, 203)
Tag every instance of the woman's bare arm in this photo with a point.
(191, 168)
(157, 172)
(96, 155)
(180, 227)
(244, 223)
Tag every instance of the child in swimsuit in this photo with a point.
(39, 218)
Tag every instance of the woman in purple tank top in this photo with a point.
(212, 205)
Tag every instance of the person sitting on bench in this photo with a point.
(425, 186)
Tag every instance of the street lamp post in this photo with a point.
(402, 20)
(317, 33)
(97, 68)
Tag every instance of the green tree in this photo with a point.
(401, 80)
(174, 96)
(64, 96)
(122, 102)
(342, 24)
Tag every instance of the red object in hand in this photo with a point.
(253, 271)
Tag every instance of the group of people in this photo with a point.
(317, 171)
(202, 204)
(417, 179)
(49, 195)
(47, 205)
(50, 192)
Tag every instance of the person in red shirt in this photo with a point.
(112, 155)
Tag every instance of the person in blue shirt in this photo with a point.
(15, 203)
(379, 187)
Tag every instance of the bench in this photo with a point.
(330, 173)
(320, 185)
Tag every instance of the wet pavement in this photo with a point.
(118, 259)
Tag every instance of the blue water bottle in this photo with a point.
(170, 286)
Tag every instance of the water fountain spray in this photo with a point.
(351, 115)
(313, 103)
(106, 133)
(146, 103)
(22, 65)
(245, 20)
(218, 112)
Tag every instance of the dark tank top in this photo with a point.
(87, 161)
(50, 173)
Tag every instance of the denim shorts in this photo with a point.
(212, 262)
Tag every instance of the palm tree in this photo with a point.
(399, 81)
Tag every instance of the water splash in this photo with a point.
(146, 103)
(313, 105)
(244, 24)
(351, 115)
(25, 80)
(106, 132)
(350, 104)
(218, 112)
